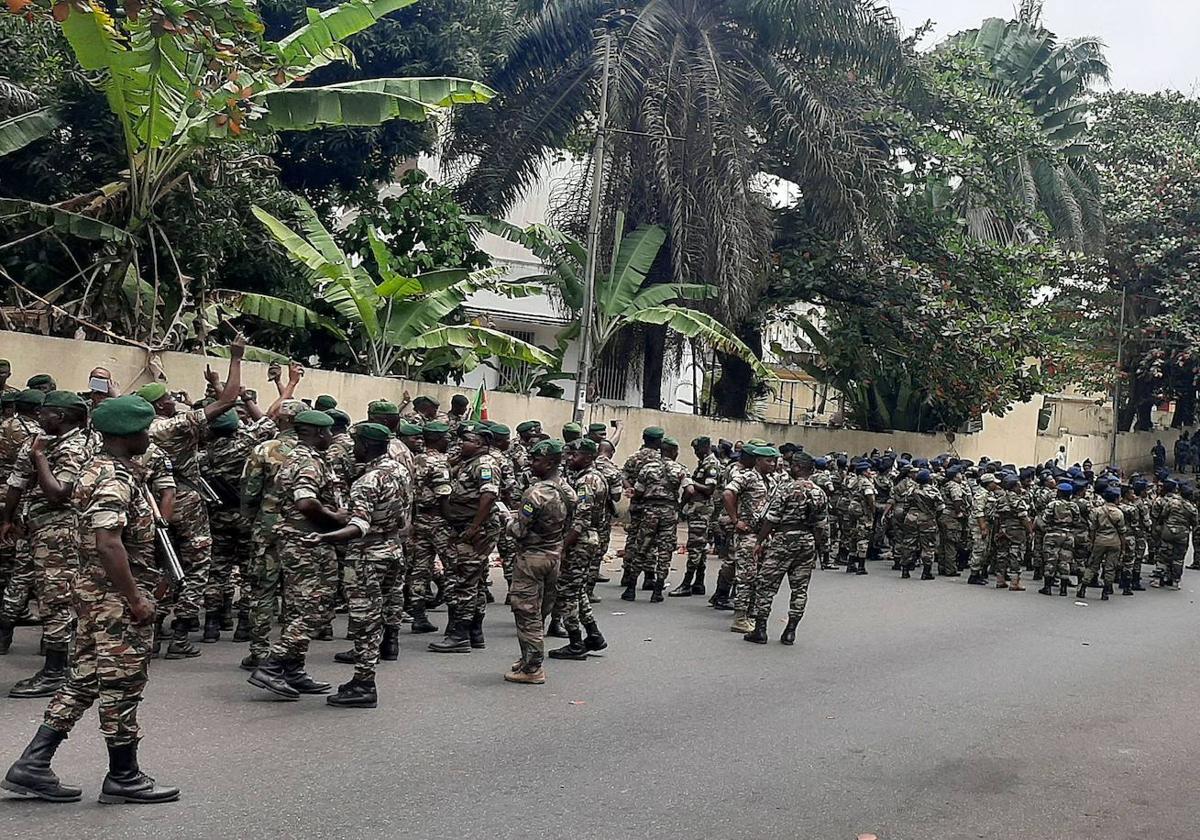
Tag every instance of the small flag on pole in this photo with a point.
(479, 406)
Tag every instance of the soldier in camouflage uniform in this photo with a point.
(182, 436)
(1173, 520)
(896, 513)
(43, 480)
(981, 528)
(113, 602)
(697, 508)
(616, 488)
(825, 544)
(1142, 534)
(509, 494)
(455, 418)
(1058, 521)
(1010, 513)
(952, 524)
(17, 574)
(424, 410)
(540, 527)
(787, 546)
(859, 521)
(305, 487)
(1042, 495)
(745, 498)
(656, 492)
(378, 511)
(473, 525)
(1108, 535)
(582, 541)
(1130, 558)
(430, 537)
(650, 451)
(924, 508)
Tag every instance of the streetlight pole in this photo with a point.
(1116, 404)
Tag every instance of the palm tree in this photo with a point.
(1053, 79)
(706, 97)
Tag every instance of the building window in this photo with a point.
(612, 373)
(513, 376)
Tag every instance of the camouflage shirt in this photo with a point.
(509, 493)
(14, 432)
(707, 474)
(182, 437)
(66, 455)
(635, 462)
(1174, 517)
(431, 479)
(544, 515)
(612, 474)
(225, 457)
(958, 504)
(925, 505)
(797, 508)
(377, 500)
(304, 475)
(468, 482)
(752, 494)
(519, 455)
(591, 488)
(110, 494)
(1061, 516)
(660, 482)
(260, 498)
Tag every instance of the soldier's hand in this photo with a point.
(406, 397)
(37, 446)
(211, 377)
(274, 371)
(141, 609)
(295, 372)
(311, 539)
(237, 348)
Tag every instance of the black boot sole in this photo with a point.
(33, 793)
(46, 691)
(272, 690)
(117, 799)
(465, 648)
(355, 704)
(571, 657)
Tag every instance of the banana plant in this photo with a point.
(622, 296)
(393, 325)
(180, 76)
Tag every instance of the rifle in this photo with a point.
(171, 566)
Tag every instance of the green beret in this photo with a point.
(372, 431)
(409, 429)
(583, 445)
(151, 392)
(803, 459)
(528, 426)
(5, 366)
(766, 452)
(8, 397)
(312, 417)
(338, 415)
(40, 380)
(63, 399)
(755, 442)
(653, 433)
(325, 402)
(436, 427)
(552, 446)
(670, 441)
(500, 430)
(31, 396)
(596, 428)
(123, 416)
(383, 407)
(224, 422)
(702, 441)
(478, 428)
(424, 400)
(572, 427)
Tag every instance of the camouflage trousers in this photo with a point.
(306, 573)
(698, 521)
(535, 577)
(790, 555)
(54, 548)
(950, 534)
(109, 665)
(373, 565)
(467, 568)
(1139, 553)
(1170, 556)
(193, 541)
(232, 550)
(263, 591)
(745, 571)
(632, 563)
(393, 588)
(1105, 561)
(728, 569)
(1058, 554)
(430, 540)
(1008, 552)
(506, 547)
(920, 542)
(980, 550)
(859, 532)
(605, 534)
(22, 583)
(571, 603)
(656, 539)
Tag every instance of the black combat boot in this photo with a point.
(420, 621)
(657, 596)
(180, 647)
(1082, 591)
(1062, 587)
(1126, 586)
(6, 636)
(127, 784)
(457, 639)
(759, 634)
(698, 582)
(723, 597)
(356, 694)
(648, 582)
(851, 566)
(46, 681)
(575, 650)
(594, 641)
(684, 589)
(296, 677)
(1047, 585)
(927, 571)
(345, 657)
(555, 630)
(475, 632)
(862, 566)
(241, 633)
(897, 566)
(250, 662)
(269, 676)
(1037, 573)
(905, 574)
(788, 637)
(30, 775)
(1137, 582)
(978, 579)
(1105, 591)
(227, 613)
(325, 634)
(212, 627)
(630, 593)
(389, 648)
(193, 624)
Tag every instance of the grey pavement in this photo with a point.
(909, 710)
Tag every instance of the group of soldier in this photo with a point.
(127, 518)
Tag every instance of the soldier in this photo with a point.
(1129, 557)
(925, 508)
(16, 565)
(469, 511)
(894, 516)
(1057, 523)
(981, 528)
(114, 608)
(787, 545)
(616, 487)
(698, 507)
(43, 382)
(722, 595)
(378, 512)
(952, 524)
(455, 418)
(745, 498)
(651, 445)
(385, 413)
(1108, 534)
(1174, 520)
(8, 405)
(656, 492)
(571, 432)
(326, 402)
(1010, 512)
(509, 495)
(5, 373)
(860, 513)
(43, 479)
(825, 543)
(430, 537)
(1142, 534)
(182, 437)
(305, 491)
(424, 410)
(582, 541)
(540, 528)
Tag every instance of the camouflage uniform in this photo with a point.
(860, 515)
(52, 534)
(826, 538)
(378, 506)
(724, 526)
(616, 485)
(1174, 520)
(468, 564)
(430, 537)
(633, 467)
(539, 527)
(16, 563)
(752, 494)
(307, 570)
(111, 653)
(953, 524)
(925, 507)
(510, 493)
(981, 542)
(1108, 531)
(571, 603)
(182, 437)
(1010, 513)
(1059, 519)
(394, 585)
(903, 543)
(796, 511)
(699, 513)
(657, 489)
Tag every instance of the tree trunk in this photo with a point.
(1185, 408)
(655, 345)
(733, 390)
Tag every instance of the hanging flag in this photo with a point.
(479, 406)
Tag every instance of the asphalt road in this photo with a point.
(907, 709)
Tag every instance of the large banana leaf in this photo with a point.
(692, 324)
(559, 251)
(416, 317)
(665, 293)
(638, 252)
(311, 45)
(285, 313)
(63, 221)
(489, 342)
(253, 354)
(368, 102)
(21, 130)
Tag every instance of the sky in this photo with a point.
(1152, 44)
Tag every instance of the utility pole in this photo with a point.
(593, 244)
(1116, 404)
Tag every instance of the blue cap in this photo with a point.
(1066, 488)
(923, 476)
